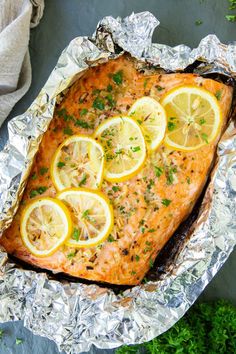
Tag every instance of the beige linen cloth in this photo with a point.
(16, 18)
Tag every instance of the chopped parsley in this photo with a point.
(83, 112)
(82, 123)
(37, 191)
(137, 258)
(83, 180)
(159, 88)
(76, 234)
(151, 263)
(19, 341)
(171, 126)
(188, 180)
(110, 100)
(60, 164)
(158, 171)
(145, 83)
(202, 121)
(71, 255)
(151, 230)
(1, 333)
(109, 88)
(85, 214)
(170, 175)
(132, 272)
(118, 77)
(231, 18)
(150, 184)
(135, 148)
(205, 137)
(115, 188)
(218, 94)
(98, 103)
(43, 170)
(198, 22)
(166, 202)
(68, 131)
(110, 238)
(34, 176)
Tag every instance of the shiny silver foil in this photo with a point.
(77, 316)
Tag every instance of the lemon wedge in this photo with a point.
(194, 117)
(45, 225)
(92, 216)
(124, 148)
(151, 117)
(74, 166)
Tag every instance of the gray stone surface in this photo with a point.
(64, 20)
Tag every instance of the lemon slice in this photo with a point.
(45, 225)
(151, 117)
(92, 216)
(124, 148)
(74, 166)
(194, 117)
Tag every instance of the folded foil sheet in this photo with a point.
(77, 316)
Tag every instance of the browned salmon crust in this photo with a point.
(143, 220)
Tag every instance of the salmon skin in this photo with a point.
(143, 224)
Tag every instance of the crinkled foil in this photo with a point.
(77, 316)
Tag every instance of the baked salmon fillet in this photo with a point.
(143, 221)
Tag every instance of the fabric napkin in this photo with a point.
(16, 18)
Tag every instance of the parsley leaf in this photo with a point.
(118, 77)
(83, 180)
(198, 22)
(83, 112)
(98, 103)
(68, 131)
(43, 170)
(110, 238)
(135, 148)
(82, 123)
(19, 341)
(158, 171)
(60, 164)
(218, 94)
(205, 138)
(171, 126)
(76, 234)
(166, 202)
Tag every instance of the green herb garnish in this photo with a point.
(98, 103)
(83, 112)
(37, 191)
(205, 137)
(34, 176)
(115, 188)
(110, 238)
(135, 148)
(158, 171)
(202, 121)
(118, 77)
(19, 341)
(218, 94)
(166, 202)
(109, 88)
(85, 214)
(71, 255)
(188, 180)
(68, 131)
(137, 258)
(83, 180)
(60, 164)
(43, 170)
(171, 126)
(231, 18)
(82, 123)
(76, 234)
(198, 22)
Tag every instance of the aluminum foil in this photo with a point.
(77, 316)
